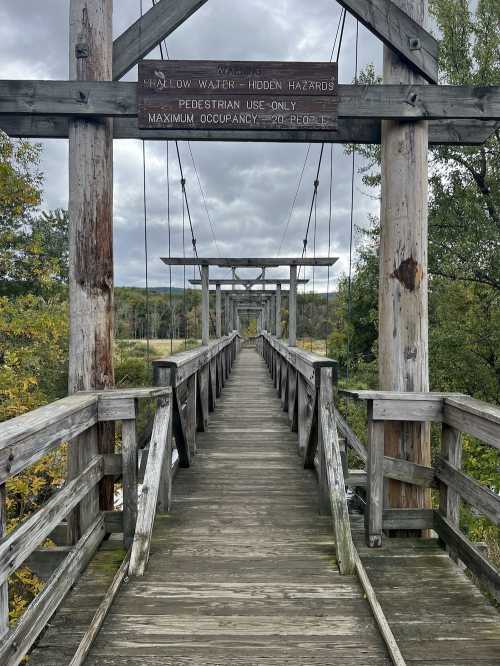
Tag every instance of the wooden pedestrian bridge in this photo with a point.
(224, 552)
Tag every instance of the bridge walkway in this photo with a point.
(243, 572)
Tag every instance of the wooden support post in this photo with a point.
(129, 475)
(375, 474)
(403, 318)
(4, 587)
(278, 311)
(91, 246)
(227, 314)
(218, 313)
(451, 451)
(292, 308)
(205, 334)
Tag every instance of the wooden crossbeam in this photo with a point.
(400, 32)
(244, 262)
(364, 131)
(243, 281)
(119, 99)
(146, 33)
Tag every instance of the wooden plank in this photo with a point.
(475, 417)
(4, 587)
(118, 409)
(129, 484)
(470, 555)
(44, 561)
(168, 472)
(350, 437)
(249, 262)
(16, 546)
(19, 639)
(407, 519)
(409, 472)
(148, 31)
(202, 381)
(113, 522)
(149, 496)
(480, 498)
(375, 474)
(237, 94)
(378, 613)
(346, 554)
(362, 131)
(119, 99)
(100, 615)
(408, 410)
(417, 47)
(26, 438)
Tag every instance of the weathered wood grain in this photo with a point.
(4, 587)
(26, 438)
(469, 554)
(403, 470)
(363, 131)
(17, 545)
(149, 496)
(23, 635)
(407, 519)
(375, 475)
(148, 31)
(400, 32)
(475, 417)
(108, 99)
(129, 476)
(346, 554)
(479, 497)
(100, 615)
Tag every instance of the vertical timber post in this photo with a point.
(292, 308)
(218, 313)
(205, 294)
(278, 311)
(4, 587)
(91, 245)
(403, 317)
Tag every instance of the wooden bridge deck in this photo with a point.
(243, 572)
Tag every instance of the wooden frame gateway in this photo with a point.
(405, 115)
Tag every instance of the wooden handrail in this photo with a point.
(459, 414)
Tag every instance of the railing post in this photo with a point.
(4, 588)
(451, 451)
(129, 477)
(277, 325)
(218, 313)
(292, 308)
(375, 473)
(204, 305)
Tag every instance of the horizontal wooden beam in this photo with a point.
(119, 99)
(22, 636)
(244, 262)
(417, 47)
(407, 519)
(253, 283)
(474, 417)
(16, 546)
(148, 31)
(470, 555)
(447, 132)
(26, 438)
(479, 497)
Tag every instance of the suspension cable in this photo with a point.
(329, 250)
(349, 283)
(169, 256)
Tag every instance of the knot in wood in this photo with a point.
(82, 50)
(409, 273)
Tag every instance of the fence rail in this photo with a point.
(188, 386)
(459, 414)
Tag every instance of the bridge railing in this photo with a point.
(305, 383)
(26, 439)
(196, 377)
(459, 414)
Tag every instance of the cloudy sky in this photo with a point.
(249, 187)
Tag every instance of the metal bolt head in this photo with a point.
(415, 44)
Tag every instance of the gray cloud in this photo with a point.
(249, 187)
